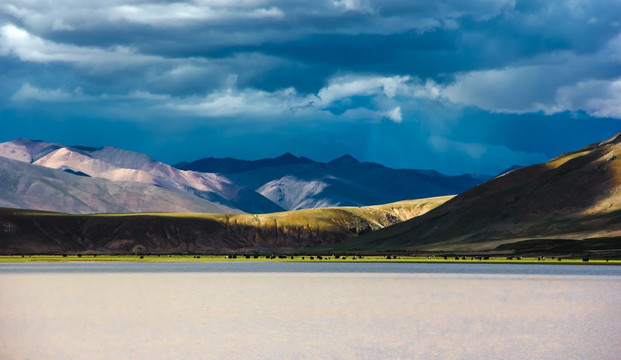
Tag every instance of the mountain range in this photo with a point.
(77, 179)
(570, 205)
(119, 167)
(299, 183)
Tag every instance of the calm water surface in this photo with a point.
(308, 311)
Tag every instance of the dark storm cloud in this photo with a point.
(463, 85)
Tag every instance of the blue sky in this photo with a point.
(457, 86)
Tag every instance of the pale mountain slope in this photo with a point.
(292, 193)
(26, 150)
(29, 186)
(121, 165)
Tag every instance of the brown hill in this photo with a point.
(570, 204)
(35, 232)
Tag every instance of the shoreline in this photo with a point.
(303, 258)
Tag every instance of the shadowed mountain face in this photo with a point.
(572, 197)
(233, 166)
(31, 232)
(298, 183)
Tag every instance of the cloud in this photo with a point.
(510, 90)
(337, 97)
(552, 83)
(528, 89)
(354, 5)
(394, 114)
(180, 14)
(28, 92)
(386, 71)
(348, 86)
(30, 48)
(70, 16)
(233, 102)
(380, 16)
(601, 98)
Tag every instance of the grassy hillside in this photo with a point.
(569, 204)
(36, 232)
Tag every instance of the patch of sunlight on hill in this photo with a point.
(562, 159)
(611, 201)
(335, 219)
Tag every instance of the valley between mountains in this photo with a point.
(73, 199)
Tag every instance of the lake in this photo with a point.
(263, 310)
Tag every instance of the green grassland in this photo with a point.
(304, 258)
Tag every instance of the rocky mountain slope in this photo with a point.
(125, 166)
(571, 203)
(28, 186)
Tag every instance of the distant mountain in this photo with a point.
(298, 183)
(120, 165)
(283, 183)
(35, 232)
(29, 186)
(570, 204)
(231, 166)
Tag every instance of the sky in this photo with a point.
(457, 86)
